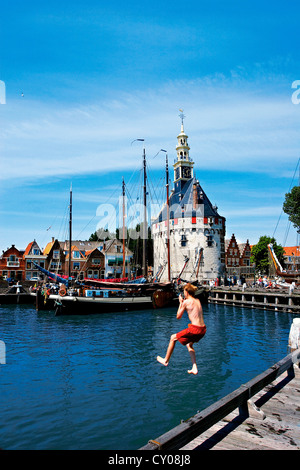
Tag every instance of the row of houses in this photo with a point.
(104, 259)
(93, 260)
(237, 258)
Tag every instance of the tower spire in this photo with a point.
(182, 116)
(183, 166)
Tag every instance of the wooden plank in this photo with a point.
(278, 431)
(196, 425)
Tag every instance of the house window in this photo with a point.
(36, 251)
(54, 265)
(76, 265)
(76, 254)
(56, 254)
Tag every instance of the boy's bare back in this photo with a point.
(194, 311)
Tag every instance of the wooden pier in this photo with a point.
(15, 295)
(273, 299)
(263, 414)
(273, 426)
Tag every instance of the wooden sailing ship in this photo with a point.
(288, 276)
(98, 296)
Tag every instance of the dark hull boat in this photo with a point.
(86, 300)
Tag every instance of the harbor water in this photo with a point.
(93, 382)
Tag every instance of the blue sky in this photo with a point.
(84, 79)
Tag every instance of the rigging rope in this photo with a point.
(288, 191)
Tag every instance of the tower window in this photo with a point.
(183, 240)
(209, 240)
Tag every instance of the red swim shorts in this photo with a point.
(192, 334)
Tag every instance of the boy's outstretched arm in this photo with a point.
(181, 308)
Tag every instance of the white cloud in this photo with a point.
(230, 128)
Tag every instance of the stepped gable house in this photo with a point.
(197, 230)
(237, 257)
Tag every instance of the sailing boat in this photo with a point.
(102, 296)
(289, 277)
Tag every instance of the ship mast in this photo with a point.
(70, 233)
(145, 231)
(124, 258)
(168, 218)
(168, 215)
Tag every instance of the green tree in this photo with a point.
(260, 253)
(291, 206)
(101, 234)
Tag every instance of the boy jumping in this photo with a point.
(195, 331)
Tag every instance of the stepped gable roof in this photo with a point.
(183, 199)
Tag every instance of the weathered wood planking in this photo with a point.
(280, 430)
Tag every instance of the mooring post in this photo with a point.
(294, 336)
(294, 339)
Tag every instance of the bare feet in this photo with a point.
(193, 370)
(162, 361)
